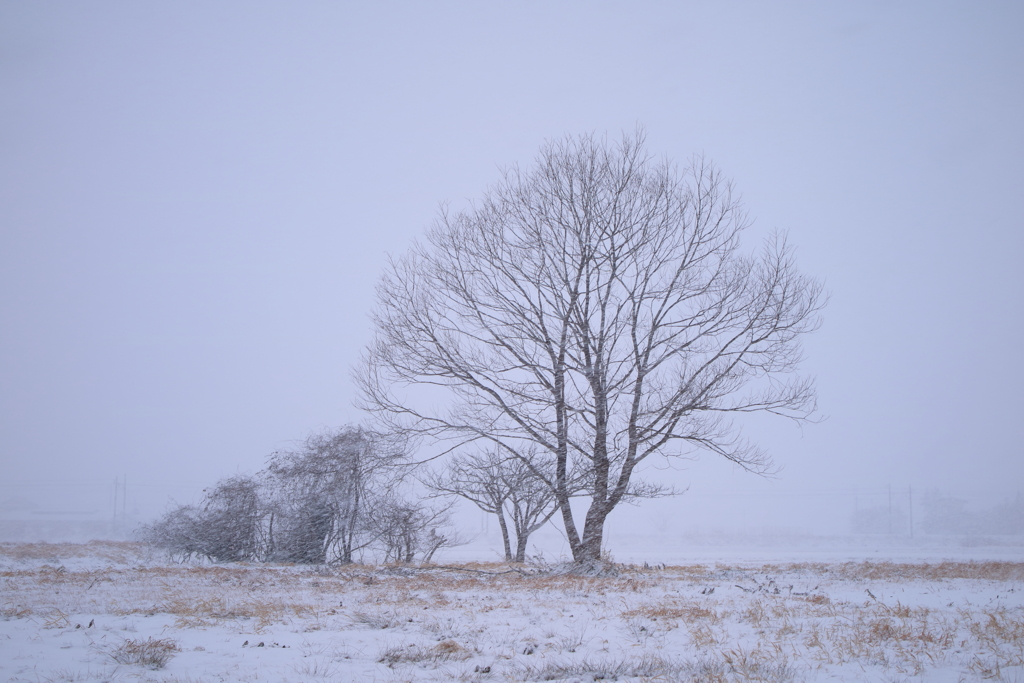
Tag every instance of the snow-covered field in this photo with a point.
(108, 611)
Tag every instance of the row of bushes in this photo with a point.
(340, 497)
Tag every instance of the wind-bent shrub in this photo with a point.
(226, 527)
(330, 500)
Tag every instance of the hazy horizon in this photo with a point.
(198, 202)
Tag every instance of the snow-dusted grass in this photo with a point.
(114, 611)
(151, 653)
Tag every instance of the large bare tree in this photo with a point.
(596, 309)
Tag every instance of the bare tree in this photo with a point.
(178, 531)
(501, 485)
(233, 517)
(226, 527)
(321, 493)
(404, 529)
(596, 308)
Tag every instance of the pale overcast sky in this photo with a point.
(196, 200)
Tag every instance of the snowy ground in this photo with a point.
(114, 612)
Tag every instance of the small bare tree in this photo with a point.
(179, 531)
(596, 309)
(321, 493)
(501, 485)
(404, 529)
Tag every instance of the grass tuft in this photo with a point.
(150, 653)
(444, 651)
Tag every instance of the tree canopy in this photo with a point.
(594, 310)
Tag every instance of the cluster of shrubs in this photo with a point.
(338, 498)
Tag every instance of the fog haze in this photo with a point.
(196, 202)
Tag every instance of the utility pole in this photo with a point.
(890, 509)
(120, 494)
(910, 503)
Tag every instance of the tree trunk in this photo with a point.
(410, 551)
(589, 550)
(521, 547)
(504, 536)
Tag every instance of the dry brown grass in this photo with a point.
(119, 552)
(896, 571)
(816, 599)
(787, 617)
(686, 611)
(445, 651)
(995, 626)
(647, 667)
(194, 612)
(732, 666)
(907, 640)
(377, 619)
(15, 611)
(150, 653)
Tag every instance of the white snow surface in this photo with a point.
(69, 612)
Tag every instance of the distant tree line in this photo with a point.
(337, 497)
(942, 514)
(946, 514)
